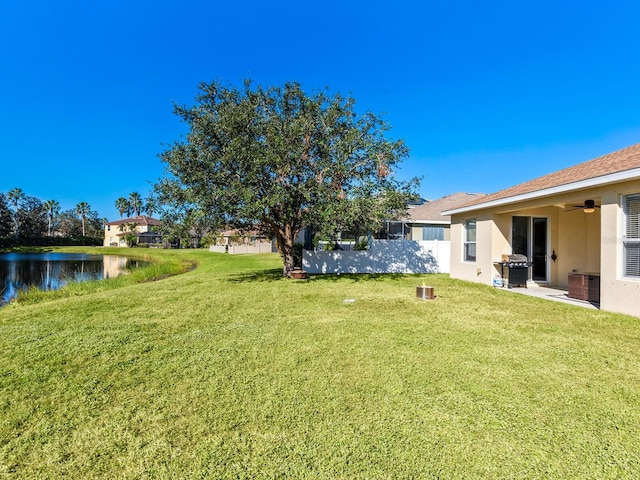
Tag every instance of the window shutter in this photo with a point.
(631, 240)
(632, 214)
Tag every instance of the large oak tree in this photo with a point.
(276, 160)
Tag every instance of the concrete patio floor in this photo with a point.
(548, 293)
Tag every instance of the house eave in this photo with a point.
(547, 192)
(428, 222)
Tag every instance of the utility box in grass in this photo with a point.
(425, 293)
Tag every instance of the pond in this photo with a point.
(51, 271)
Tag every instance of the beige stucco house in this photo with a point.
(145, 229)
(580, 224)
(426, 221)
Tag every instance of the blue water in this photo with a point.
(51, 271)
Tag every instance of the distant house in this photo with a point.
(143, 227)
(235, 242)
(416, 243)
(578, 227)
(426, 221)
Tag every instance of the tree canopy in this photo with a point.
(276, 160)
(31, 221)
(5, 217)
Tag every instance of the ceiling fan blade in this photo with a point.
(581, 207)
(586, 204)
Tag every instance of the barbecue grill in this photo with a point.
(517, 267)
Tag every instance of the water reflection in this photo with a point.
(51, 271)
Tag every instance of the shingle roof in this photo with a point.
(144, 220)
(619, 161)
(433, 210)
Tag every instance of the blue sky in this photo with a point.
(485, 94)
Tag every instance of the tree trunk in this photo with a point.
(288, 265)
(285, 239)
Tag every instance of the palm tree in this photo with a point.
(123, 206)
(53, 208)
(150, 206)
(16, 196)
(135, 201)
(129, 231)
(83, 210)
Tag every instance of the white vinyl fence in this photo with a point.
(383, 256)
(256, 247)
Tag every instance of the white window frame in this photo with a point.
(467, 242)
(631, 236)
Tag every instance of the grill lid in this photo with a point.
(515, 260)
(517, 257)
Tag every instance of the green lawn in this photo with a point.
(229, 371)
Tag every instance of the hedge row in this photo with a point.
(7, 242)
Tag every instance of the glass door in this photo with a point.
(529, 237)
(520, 235)
(539, 249)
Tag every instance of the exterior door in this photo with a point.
(529, 237)
(539, 249)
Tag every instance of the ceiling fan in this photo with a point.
(589, 206)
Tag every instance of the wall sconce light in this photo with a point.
(554, 256)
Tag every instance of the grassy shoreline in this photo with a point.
(229, 371)
(160, 265)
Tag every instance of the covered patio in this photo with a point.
(553, 294)
(579, 229)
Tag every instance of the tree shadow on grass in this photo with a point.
(269, 275)
(275, 274)
(365, 277)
